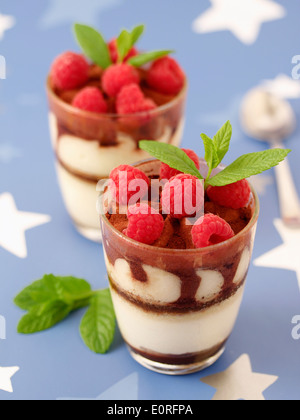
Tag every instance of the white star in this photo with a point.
(283, 86)
(260, 183)
(14, 223)
(5, 378)
(70, 11)
(239, 382)
(6, 22)
(242, 17)
(285, 256)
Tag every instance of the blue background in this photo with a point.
(56, 364)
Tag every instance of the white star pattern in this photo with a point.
(285, 256)
(6, 23)
(6, 373)
(239, 382)
(283, 86)
(242, 18)
(69, 11)
(14, 223)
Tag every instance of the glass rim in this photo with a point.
(210, 248)
(96, 116)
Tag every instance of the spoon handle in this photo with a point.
(288, 196)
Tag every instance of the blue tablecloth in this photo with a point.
(221, 65)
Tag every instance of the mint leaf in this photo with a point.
(97, 327)
(211, 155)
(43, 317)
(171, 155)
(124, 44)
(141, 59)
(248, 165)
(222, 141)
(136, 33)
(93, 45)
(127, 40)
(50, 287)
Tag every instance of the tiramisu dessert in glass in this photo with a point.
(101, 105)
(177, 279)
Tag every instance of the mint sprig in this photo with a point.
(93, 45)
(171, 155)
(215, 150)
(126, 40)
(50, 300)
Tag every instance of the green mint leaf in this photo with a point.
(141, 59)
(127, 40)
(136, 33)
(222, 141)
(97, 327)
(49, 288)
(43, 317)
(211, 155)
(171, 155)
(124, 44)
(248, 165)
(93, 45)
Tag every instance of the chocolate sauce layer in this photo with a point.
(181, 359)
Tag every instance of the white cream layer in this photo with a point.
(176, 333)
(90, 158)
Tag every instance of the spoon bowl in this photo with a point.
(265, 117)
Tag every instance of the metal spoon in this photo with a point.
(268, 118)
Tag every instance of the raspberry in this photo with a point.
(90, 99)
(167, 173)
(69, 71)
(145, 224)
(182, 196)
(117, 76)
(112, 45)
(166, 76)
(127, 182)
(234, 196)
(132, 100)
(210, 230)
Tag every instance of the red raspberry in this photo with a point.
(69, 71)
(234, 196)
(90, 99)
(145, 224)
(167, 173)
(114, 52)
(166, 76)
(210, 230)
(132, 100)
(127, 181)
(182, 196)
(117, 76)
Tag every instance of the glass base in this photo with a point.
(175, 369)
(89, 233)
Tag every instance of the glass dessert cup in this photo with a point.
(177, 308)
(88, 146)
